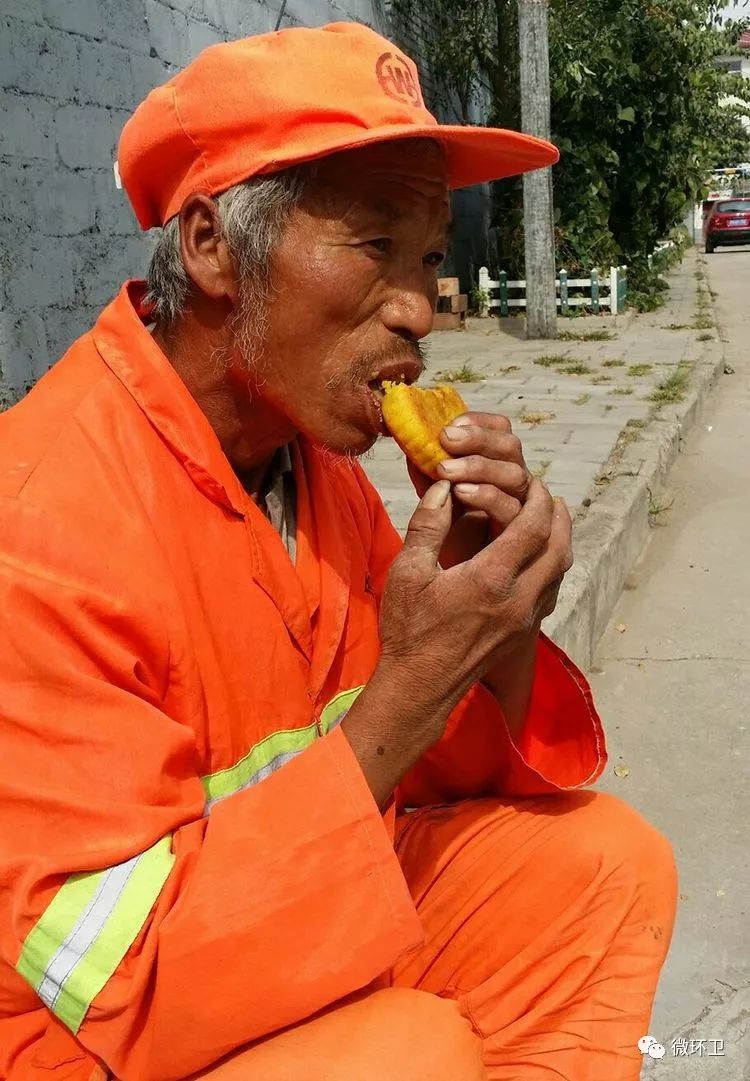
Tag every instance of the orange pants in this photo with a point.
(547, 922)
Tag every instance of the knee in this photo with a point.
(438, 1042)
(622, 843)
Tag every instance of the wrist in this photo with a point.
(511, 682)
(391, 724)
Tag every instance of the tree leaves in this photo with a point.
(640, 111)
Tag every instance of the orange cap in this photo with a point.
(263, 103)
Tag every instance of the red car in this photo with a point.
(728, 223)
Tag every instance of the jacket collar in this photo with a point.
(129, 350)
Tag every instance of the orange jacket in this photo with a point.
(189, 855)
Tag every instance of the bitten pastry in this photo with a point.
(415, 418)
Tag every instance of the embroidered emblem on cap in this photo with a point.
(397, 79)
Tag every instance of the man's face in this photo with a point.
(354, 282)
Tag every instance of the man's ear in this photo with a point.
(205, 254)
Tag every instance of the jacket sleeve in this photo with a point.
(561, 745)
(163, 938)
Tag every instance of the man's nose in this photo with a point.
(408, 312)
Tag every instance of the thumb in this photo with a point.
(429, 524)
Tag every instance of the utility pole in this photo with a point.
(533, 41)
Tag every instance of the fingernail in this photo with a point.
(449, 466)
(462, 421)
(467, 489)
(436, 496)
(454, 432)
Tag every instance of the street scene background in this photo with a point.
(635, 410)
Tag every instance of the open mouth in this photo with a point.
(376, 385)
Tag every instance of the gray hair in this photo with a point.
(252, 217)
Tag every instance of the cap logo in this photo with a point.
(397, 80)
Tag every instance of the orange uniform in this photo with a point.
(190, 858)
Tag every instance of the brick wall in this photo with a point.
(71, 72)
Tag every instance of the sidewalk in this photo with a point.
(584, 413)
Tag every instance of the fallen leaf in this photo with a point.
(721, 893)
(683, 897)
(622, 771)
(621, 628)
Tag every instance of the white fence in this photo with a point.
(602, 291)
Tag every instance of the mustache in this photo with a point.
(366, 366)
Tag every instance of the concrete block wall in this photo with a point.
(71, 72)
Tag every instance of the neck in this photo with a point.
(248, 428)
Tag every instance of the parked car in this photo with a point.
(728, 222)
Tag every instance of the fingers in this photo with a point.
(428, 528)
(489, 441)
(540, 580)
(512, 478)
(463, 439)
(500, 507)
(526, 535)
(484, 420)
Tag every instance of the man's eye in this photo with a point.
(381, 244)
(434, 258)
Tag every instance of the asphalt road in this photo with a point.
(672, 680)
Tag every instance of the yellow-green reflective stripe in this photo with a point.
(274, 751)
(68, 963)
(262, 759)
(334, 712)
(56, 924)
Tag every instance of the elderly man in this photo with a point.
(283, 798)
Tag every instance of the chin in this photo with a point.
(344, 440)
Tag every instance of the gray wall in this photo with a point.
(71, 71)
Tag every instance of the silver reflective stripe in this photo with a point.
(85, 932)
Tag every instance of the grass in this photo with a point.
(581, 399)
(510, 368)
(602, 379)
(576, 369)
(621, 390)
(614, 364)
(703, 323)
(550, 360)
(672, 389)
(636, 422)
(585, 336)
(705, 337)
(464, 374)
(640, 369)
(676, 326)
(608, 408)
(533, 419)
(657, 508)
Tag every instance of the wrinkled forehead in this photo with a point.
(395, 178)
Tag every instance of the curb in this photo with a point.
(610, 538)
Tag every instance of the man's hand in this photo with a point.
(442, 630)
(490, 481)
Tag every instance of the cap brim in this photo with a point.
(478, 155)
(473, 155)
